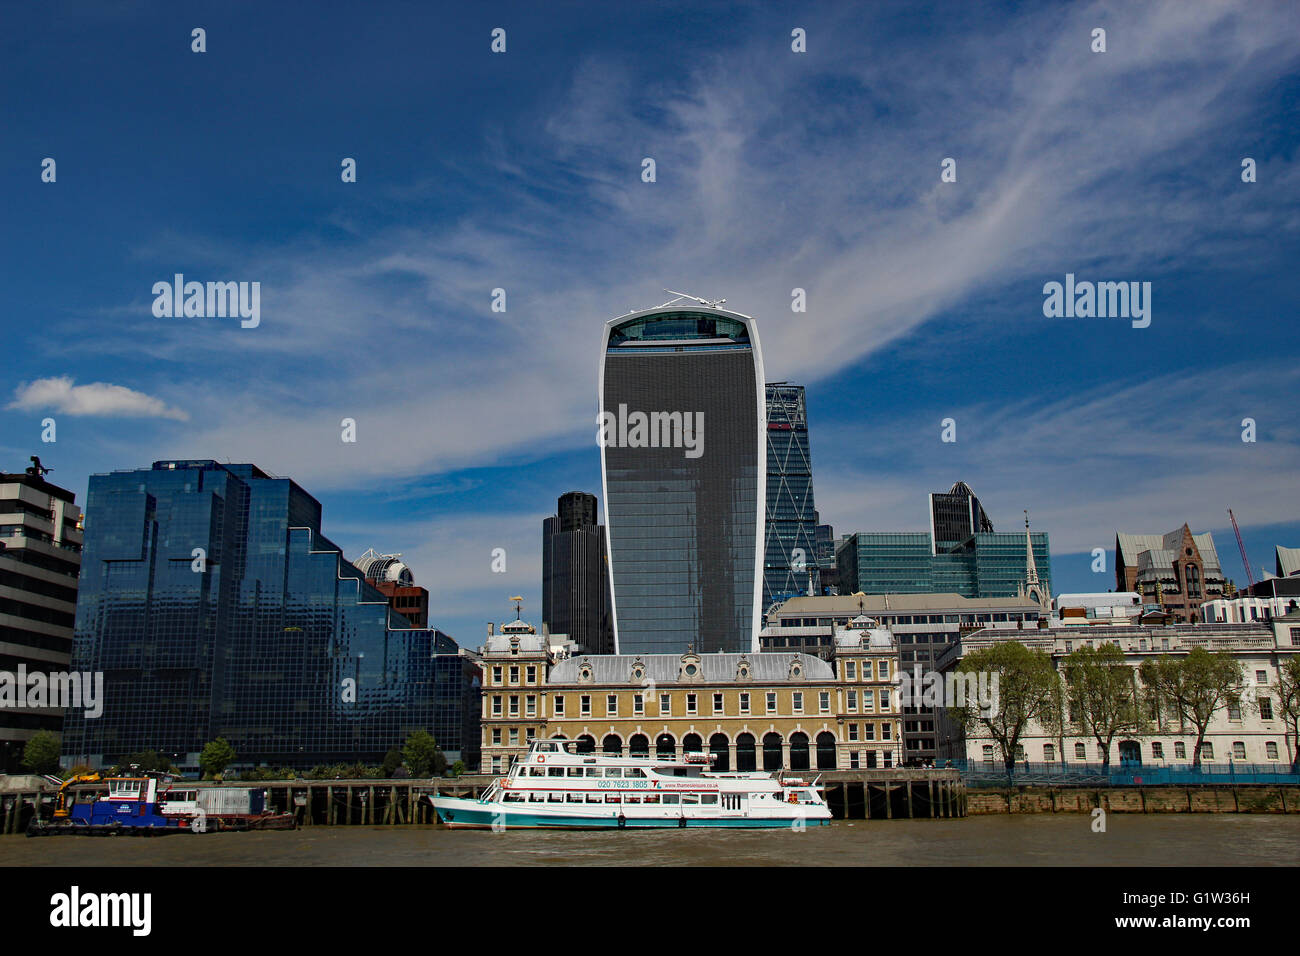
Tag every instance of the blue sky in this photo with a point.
(775, 170)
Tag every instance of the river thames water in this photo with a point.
(1021, 840)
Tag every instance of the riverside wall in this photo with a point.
(1204, 798)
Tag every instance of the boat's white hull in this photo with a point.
(459, 812)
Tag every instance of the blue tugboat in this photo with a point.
(130, 807)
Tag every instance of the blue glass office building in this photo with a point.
(215, 607)
(790, 564)
(985, 565)
(684, 462)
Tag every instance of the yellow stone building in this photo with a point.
(763, 711)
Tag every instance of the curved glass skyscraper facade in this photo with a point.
(684, 468)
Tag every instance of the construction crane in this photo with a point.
(1242, 547)
(61, 807)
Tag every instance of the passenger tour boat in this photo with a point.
(555, 785)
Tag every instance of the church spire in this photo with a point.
(1031, 572)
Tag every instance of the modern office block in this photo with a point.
(575, 577)
(394, 580)
(955, 516)
(215, 607)
(978, 563)
(684, 465)
(40, 555)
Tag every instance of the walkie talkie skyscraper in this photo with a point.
(684, 467)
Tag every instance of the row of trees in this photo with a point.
(1098, 694)
(420, 756)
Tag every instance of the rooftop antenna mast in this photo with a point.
(707, 303)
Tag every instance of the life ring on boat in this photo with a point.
(541, 760)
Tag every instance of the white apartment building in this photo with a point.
(1252, 732)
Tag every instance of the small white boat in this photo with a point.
(555, 785)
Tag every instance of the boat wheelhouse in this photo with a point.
(556, 785)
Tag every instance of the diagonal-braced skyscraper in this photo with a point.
(790, 563)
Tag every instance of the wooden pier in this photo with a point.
(894, 794)
(851, 794)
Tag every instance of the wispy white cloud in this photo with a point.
(102, 399)
(453, 557)
(774, 171)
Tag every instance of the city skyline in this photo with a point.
(816, 171)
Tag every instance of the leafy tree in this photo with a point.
(422, 756)
(1101, 695)
(1288, 691)
(268, 773)
(41, 753)
(1029, 691)
(458, 768)
(1193, 688)
(144, 760)
(392, 760)
(216, 757)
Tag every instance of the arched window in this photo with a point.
(1192, 575)
(1049, 753)
(772, 751)
(666, 747)
(613, 744)
(746, 753)
(826, 750)
(799, 751)
(586, 744)
(638, 746)
(692, 744)
(988, 754)
(721, 756)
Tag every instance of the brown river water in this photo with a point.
(1021, 840)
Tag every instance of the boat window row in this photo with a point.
(624, 773)
(730, 801)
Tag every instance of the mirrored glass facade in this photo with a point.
(986, 565)
(215, 607)
(684, 530)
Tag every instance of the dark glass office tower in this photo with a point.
(684, 460)
(955, 516)
(790, 565)
(575, 579)
(215, 607)
(826, 553)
